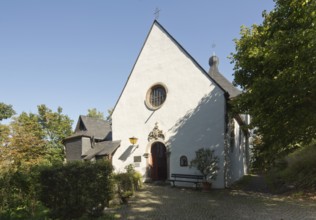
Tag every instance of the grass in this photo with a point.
(298, 176)
(243, 182)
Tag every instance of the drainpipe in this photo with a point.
(247, 136)
(226, 120)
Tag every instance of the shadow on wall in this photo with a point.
(200, 127)
(127, 153)
(236, 158)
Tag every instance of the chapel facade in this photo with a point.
(172, 107)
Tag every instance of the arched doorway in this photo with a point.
(159, 161)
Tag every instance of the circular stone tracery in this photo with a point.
(156, 96)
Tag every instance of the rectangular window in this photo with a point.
(137, 159)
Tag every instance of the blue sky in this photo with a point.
(77, 54)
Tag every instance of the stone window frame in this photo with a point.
(184, 161)
(148, 99)
(137, 159)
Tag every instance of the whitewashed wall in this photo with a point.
(73, 149)
(86, 144)
(191, 117)
(237, 155)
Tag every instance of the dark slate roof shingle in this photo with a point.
(220, 79)
(102, 148)
(94, 127)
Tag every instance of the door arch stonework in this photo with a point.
(157, 161)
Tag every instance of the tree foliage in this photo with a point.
(56, 127)
(6, 111)
(27, 145)
(94, 113)
(206, 162)
(275, 65)
(35, 138)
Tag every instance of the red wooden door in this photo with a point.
(159, 161)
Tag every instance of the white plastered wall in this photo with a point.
(86, 145)
(192, 117)
(237, 155)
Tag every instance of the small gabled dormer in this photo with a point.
(80, 125)
(90, 135)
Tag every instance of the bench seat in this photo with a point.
(188, 178)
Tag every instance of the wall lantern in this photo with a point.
(133, 140)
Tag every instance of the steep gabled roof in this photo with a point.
(102, 148)
(93, 127)
(220, 79)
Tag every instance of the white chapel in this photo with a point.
(172, 107)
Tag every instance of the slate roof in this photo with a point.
(93, 127)
(220, 79)
(102, 148)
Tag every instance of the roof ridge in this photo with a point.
(177, 44)
(215, 74)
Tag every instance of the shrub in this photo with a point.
(206, 163)
(18, 192)
(77, 188)
(128, 182)
(301, 169)
(125, 186)
(298, 169)
(136, 176)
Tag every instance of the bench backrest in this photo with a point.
(187, 176)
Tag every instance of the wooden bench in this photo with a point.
(188, 178)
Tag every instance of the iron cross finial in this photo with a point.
(157, 11)
(213, 46)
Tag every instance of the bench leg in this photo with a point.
(172, 183)
(196, 186)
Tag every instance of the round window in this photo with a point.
(156, 96)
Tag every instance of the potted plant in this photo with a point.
(207, 163)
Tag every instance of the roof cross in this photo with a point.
(213, 47)
(157, 10)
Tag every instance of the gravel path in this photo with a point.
(164, 202)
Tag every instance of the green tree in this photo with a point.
(27, 145)
(4, 135)
(94, 113)
(6, 111)
(56, 126)
(36, 138)
(275, 65)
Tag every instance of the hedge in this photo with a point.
(75, 189)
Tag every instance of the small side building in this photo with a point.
(92, 140)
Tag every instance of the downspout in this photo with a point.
(226, 162)
(247, 136)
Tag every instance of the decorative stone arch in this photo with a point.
(149, 162)
(184, 161)
(148, 147)
(156, 136)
